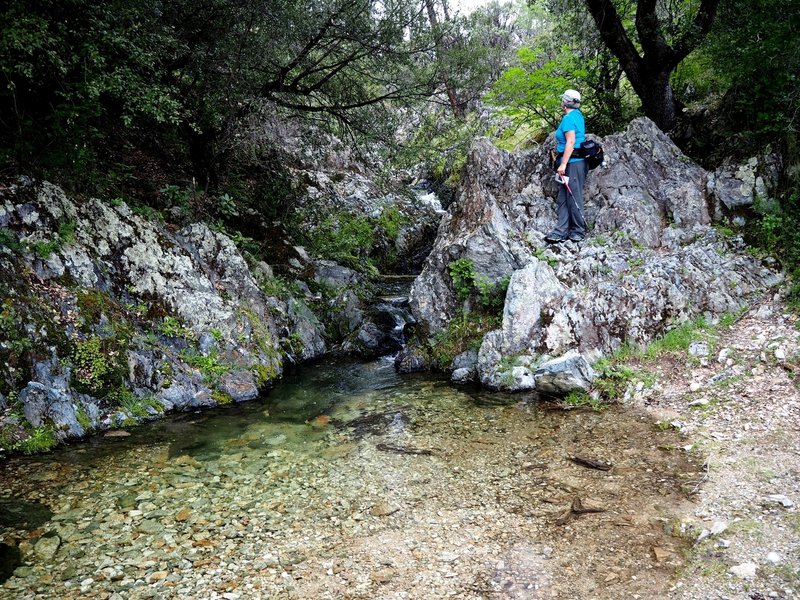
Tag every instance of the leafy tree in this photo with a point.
(566, 53)
(83, 79)
(754, 57)
(651, 46)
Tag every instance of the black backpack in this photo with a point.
(589, 150)
(593, 153)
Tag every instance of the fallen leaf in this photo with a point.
(117, 433)
(661, 554)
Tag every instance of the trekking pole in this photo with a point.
(574, 202)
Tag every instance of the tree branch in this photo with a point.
(614, 36)
(656, 49)
(701, 26)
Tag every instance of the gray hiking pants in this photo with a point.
(570, 208)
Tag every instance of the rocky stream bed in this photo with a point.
(350, 481)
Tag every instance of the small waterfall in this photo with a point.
(391, 312)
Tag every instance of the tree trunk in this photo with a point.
(204, 162)
(658, 99)
(649, 72)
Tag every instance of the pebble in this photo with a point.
(780, 499)
(698, 349)
(718, 527)
(694, 386)
(774, 558)
(47, 546)
(744, 571)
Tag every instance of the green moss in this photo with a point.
(15, 341)
(264, 374)
(83, 419)
(92, 303)
(221, 397)
(9, 240)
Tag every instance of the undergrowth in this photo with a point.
(776, 232)
(617, 372)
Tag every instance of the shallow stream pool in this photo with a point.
(351, 481)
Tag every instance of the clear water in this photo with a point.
(347, 466)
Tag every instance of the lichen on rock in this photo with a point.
(652, 259)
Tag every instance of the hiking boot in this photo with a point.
(575, 237)
(554, 238)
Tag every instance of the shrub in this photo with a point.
(344, 238)
(777, 231)
(489, 296)
(95, 367)
(463, 333)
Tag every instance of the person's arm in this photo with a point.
(568, 148)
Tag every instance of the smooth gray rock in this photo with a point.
(333, 274)
(463, 375)
(571, 372)
(465, 360)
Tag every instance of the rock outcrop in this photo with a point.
(653, 259)
(109, 317)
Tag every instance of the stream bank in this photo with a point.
(265, 500)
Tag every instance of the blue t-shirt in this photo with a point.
(572, 121)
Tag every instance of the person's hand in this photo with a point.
(562, 169)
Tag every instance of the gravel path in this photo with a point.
(740, 409)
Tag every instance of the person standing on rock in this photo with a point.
(570, 135)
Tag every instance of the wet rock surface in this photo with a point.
(382, 486)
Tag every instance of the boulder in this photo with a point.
(44, 405)
(463, 375)
(568, 373)
(652, 260)
(334, 275)
(735, 186)
(239, 385)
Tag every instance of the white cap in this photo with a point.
(571, 97)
